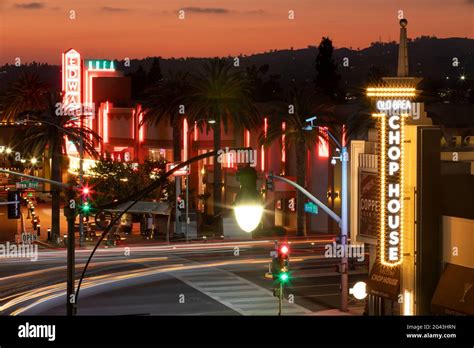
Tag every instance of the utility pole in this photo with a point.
(343, 221)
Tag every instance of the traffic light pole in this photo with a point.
(81, 183)
(280, 298)
(341, 221)
(70, 291)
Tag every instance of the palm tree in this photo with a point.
(304, 103)
(26, 93)
(46, 134)
(163, 101)
(222, 94)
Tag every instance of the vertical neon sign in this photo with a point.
(391, 136)
(71, 78)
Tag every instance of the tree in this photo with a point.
(111, 180)
(375, 74)
(223, 94)
(327, 78)
(45, 134)
(154, 75)
(165, 101)
(265, 88)
(26, 93)
(138, 82)
(305, 102)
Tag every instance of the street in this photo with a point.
(212, 278)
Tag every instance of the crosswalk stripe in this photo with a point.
(228, 287)
(237, 293)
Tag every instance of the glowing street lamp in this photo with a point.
(248, 216)
(359, 290)
(248, 207)
(33, 161)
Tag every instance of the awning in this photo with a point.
(454, 294)
(155, 208)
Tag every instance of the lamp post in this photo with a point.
(344, 223)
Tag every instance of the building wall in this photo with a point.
(458, 241)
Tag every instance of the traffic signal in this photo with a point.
(85, 191)
(281, 264)
(14, 205)
(269, 182)
(86, 208)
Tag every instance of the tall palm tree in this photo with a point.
(46, 135)
(163, 101)
(26, 93)
(221, 93)
(304, 102)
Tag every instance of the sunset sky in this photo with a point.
(40, 30)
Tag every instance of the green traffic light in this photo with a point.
(284, 277)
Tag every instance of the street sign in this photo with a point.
(27, 185)
(180, 172)
(310, 207)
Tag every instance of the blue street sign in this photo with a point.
(310, 207)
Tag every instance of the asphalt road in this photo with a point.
(223, 278)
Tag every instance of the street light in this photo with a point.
(248, 207)
(344, 221)
(34, 161)
(8, 150)
(248, 216)
(359, 290)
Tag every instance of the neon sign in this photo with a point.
(71, 80)
(391, 127)
(100, 64)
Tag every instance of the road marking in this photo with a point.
(237, 293)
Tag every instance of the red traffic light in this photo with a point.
(85, 190)
(284, 250)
